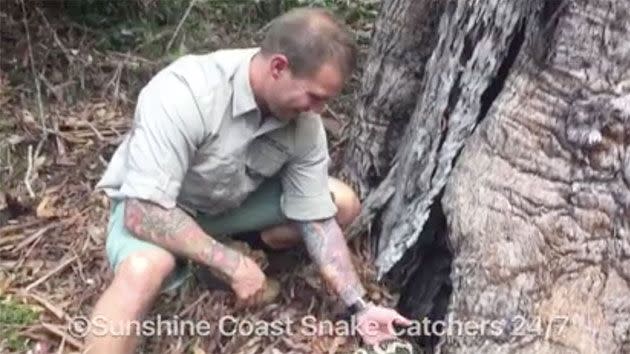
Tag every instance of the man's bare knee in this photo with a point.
(346, 200)
(140, 275)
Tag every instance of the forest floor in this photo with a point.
(67, 92)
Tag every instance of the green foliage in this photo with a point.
(13, 317)
(351, 10)
(145, 27)
(95, 13)
(127, 24)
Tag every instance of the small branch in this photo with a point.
(98, 134)
(57, 269)
(190, 307)
(332, 113)
(40, 105)
(51, 88)
(33, 237)
(117, 85)
(179, 25)
(63, 48)
(29, 170)
(61, 333)
(40, 108)
(58, 312)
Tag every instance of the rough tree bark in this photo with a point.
(461, 78)
(536, 209)
(404, 37)
(541, 238)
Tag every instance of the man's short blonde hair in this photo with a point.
(310, 37)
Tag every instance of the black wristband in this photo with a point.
(357, 306)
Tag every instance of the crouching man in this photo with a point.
(224, 143)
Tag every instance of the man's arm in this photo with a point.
(327, 246)
(177, 232)
(328, 249)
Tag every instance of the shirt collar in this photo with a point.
(243, 100)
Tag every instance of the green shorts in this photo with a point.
(259, 211)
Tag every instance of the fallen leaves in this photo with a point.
(52, 245)
(45, 209)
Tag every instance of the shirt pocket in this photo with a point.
(216, 183)
(264, 159)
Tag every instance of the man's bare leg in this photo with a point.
(348, 208)
(136, 284)
(138, 279)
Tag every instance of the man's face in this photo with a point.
(291, 95)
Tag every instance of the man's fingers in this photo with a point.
(398, 318)
(262, 295)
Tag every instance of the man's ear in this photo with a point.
(279, 64)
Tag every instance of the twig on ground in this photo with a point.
(8, 167)
(179, 25)
(132, 59)
(63, 48)
(339, 143)
(9, 240)
(332, 113)
(29, 170)
(191, 306)
(51, 88)
(40, 106)
(34, 237)
(98, 134)
(10, 161)
(61, 148)
(59, 313)
(117, 86)
(62, 345)
(24, 257)
(54, 329)
(5, 230)
(61, 266)
(80, 266)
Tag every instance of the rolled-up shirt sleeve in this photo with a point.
(167, 128)
(306, 195)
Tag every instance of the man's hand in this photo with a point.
(248, 281)
(376, 323)
(328, 249)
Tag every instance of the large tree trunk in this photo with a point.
(404, 37)
(463, 75)
(538, 205)
(536, 210)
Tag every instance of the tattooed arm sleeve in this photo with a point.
(328, 249)
(177, 232)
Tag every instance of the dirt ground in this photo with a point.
(66, 101)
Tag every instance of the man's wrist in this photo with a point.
(358, 306)
(351, 293)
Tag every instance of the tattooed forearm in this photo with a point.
(176, 231)
(327, 247)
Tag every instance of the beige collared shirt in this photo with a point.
(197, 141)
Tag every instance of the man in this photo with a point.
(224, 143)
